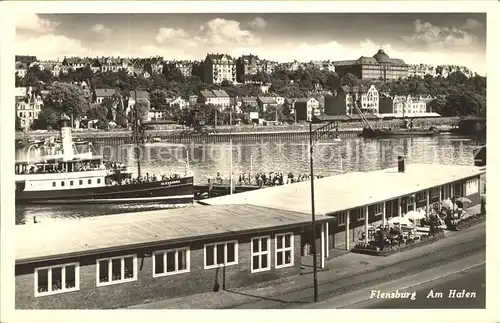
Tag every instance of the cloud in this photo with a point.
(170, 34)
(471, 24)
(51, 46)
(33, 23)
(258, 23)
(436, 37)
(99, 29)
(217, 34)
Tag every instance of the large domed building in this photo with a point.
(378, 67)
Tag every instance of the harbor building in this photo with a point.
(121, 260)
(359, 199)
(378, 67)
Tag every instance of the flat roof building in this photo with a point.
(126, 259)
(360, 198)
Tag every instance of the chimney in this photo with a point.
(401, 164)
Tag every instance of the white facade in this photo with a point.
(421, 70)
(410, 105)
(218, 101)
(367, 101)
(180, 102)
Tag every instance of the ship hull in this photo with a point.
(393, 134)
(165, 191)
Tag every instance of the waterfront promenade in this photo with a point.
(345, 272)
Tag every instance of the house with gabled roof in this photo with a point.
(218, 68)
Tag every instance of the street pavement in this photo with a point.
(468, 273)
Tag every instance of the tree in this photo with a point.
(48, 118)
(142, 106)
(98, 111)
(172, 73)
(66, 98)
(349, 80)
(18, 124)
(436, 105)
(463, 104)
(158, 100)
(333, 81)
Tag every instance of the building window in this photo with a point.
(341, 218)
(70, 183)
(116, 270)
(56, 279)
(98, 181)
(360, 214)
(284, 250)
(53, 184)
(375, 209)
(221, 254)
(457, 189)
(62, 183)
(90, 181)
(260, 260)
(80, 182)
(171, 262)
(446, 191)
(420, 196)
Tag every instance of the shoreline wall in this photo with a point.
(238, 133)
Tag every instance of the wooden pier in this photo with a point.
(214, 190)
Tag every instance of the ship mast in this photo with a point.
(136, 130)
(365, 121)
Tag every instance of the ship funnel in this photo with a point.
(66, 138)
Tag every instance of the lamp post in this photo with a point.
(313, 214)
(314, 136)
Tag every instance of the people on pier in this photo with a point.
(265, 178)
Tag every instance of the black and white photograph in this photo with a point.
(246, 158)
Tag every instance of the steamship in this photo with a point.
(64, 175)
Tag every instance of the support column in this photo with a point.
(322, 245)
(366, 223)
(452, 190)
(399, 206)
(428, 202)
(414, 197)
(440, 199)
(327, 247)
(347, 230)
(383, 215)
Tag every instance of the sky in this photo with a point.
(431, 38)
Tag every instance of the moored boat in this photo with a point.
(388, 133)
(62, 174)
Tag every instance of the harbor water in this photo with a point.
(204, 160)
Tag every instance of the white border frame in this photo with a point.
(260, 253)
(110, 268)
(63, 272)
(225, 264)
(176, 272)
(283, 249)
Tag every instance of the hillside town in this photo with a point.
(226, 90)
